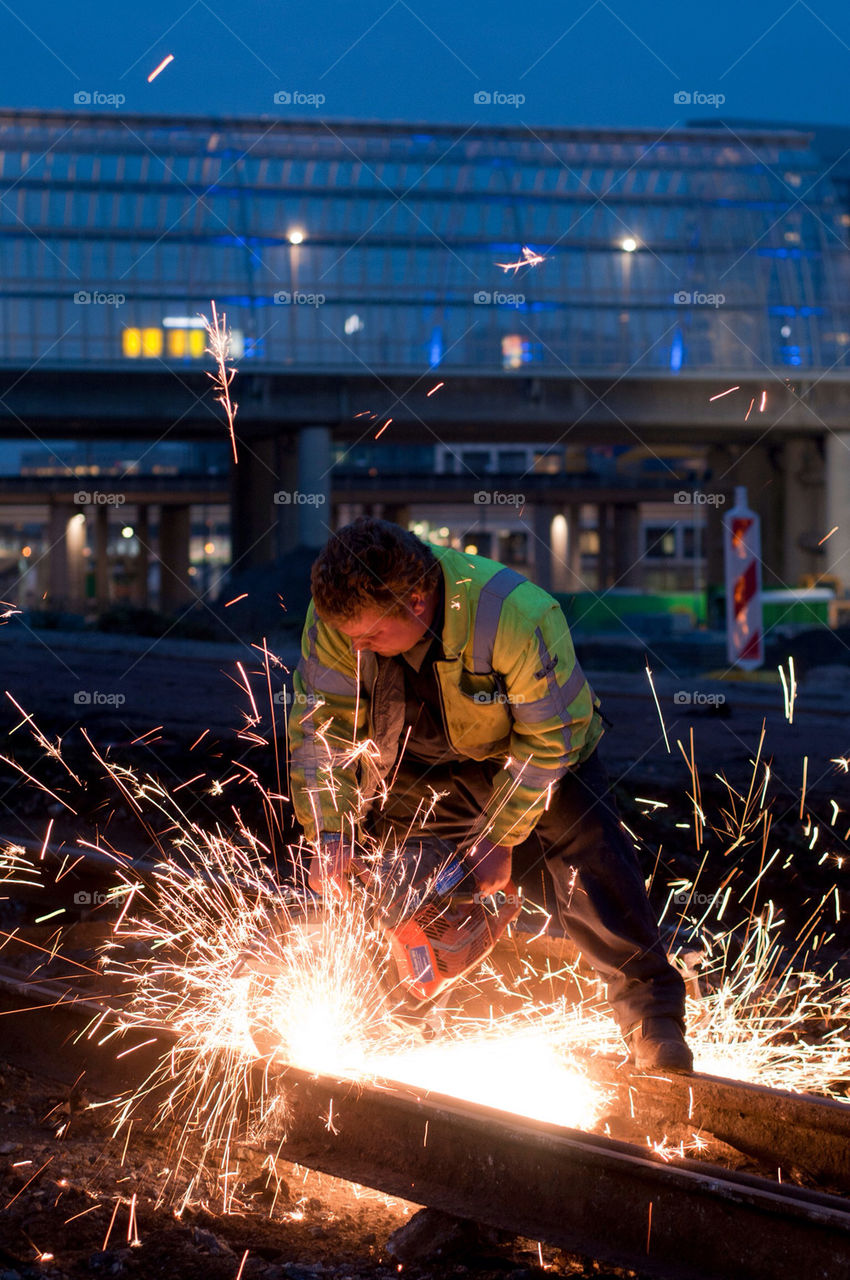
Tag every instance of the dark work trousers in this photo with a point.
(600, 899)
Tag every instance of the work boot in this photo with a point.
(659, 1044)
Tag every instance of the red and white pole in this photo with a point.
(742, 557)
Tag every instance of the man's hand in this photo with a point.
(491, 865)
(329, 866)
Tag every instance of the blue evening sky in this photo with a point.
(586, 63)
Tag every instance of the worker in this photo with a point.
(442, 685)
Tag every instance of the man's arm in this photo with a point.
(326, 720)
(554, 719)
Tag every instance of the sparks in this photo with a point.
(721, 394)
(833, 530)
(528, 258)
(434, 390)
(169, 57)
(219, 345)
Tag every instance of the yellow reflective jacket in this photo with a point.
(510, 688)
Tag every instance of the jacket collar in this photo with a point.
(460, 573)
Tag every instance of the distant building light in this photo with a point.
(209, 548)
(516, 351)
(144, 343)
(470, 549)
(183, 322)
(186, 343)
(629, 244)
(295, 236)
(353, 324)
(26, 552)
(128, 531)
(786, 331)
(792, 237)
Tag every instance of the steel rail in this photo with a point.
(587, 1194)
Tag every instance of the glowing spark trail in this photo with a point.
(833, 530)
(219, 348)
(169, 57)
(721, 394)
(528, 259)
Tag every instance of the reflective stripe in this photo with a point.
(324, 679)
(321, 678)
(534, 775)
(553, 705)
(492, 597)
(556, 702)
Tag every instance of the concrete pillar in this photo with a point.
(174, 582)
(143, 538)
(101, 559)
(605, 556)
(262, 483)
(66, 539)
(575, 581)
(314, 486)
(837, 469)
(803, 523)
(541, 529)
(627, 549)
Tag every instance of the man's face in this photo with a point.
(388, 634)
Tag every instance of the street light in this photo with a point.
(629, 244)
(295, 236)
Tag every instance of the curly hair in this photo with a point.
(371, 562)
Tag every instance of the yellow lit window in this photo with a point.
(151, 342)
(131, 342)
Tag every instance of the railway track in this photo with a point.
(609, 1199)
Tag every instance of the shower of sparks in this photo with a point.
(169, 57)
(833, 530)
(528, 258)
(218, 338)
(239, 965)
(721, 394)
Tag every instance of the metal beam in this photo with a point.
(583, 1193)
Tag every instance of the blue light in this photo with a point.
(435, 349)
(677, 351)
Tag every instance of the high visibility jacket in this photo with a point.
(510, 688)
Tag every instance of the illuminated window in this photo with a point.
(186, 343)
(146, 343)
(151, 343)
(131, 342)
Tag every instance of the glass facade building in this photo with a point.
(380, 248)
